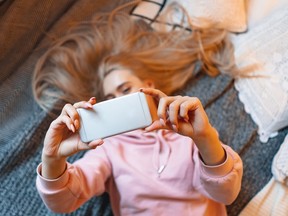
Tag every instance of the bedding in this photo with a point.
(27, 29)
(272, 199)
(265, 96)
(229, 15)
(268, 7)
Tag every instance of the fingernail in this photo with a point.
(88, 105)
(141, 89)
(162, 122)
(101, 142)
(147, 129)
(76, 123)
(174, 127)
(72, 128)
(93, 99)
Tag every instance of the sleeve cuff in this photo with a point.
(221, 169)
(52, 184)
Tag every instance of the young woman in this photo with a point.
(177, 165)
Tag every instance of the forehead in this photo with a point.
(116, 78)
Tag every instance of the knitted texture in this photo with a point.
(236, 129)
(23, 124)
(24, 26)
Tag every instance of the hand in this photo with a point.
(184, 115)
(61, 139)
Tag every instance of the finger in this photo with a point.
(187, 106)
(155, 93)
(85, 104)
(92, 100)
(158, 96)
(173, 112)
(95, 143)
(72, 113)
(91, 145)
(156, 125)
(163, 107)
(63, 120)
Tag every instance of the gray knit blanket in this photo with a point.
(25, 31)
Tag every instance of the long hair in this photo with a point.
(74, 67)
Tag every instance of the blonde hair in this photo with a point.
(74, 68)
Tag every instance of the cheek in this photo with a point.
(104, 89)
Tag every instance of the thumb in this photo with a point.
(155, 126)
(95, 143)
(82, 146)
(91, 145)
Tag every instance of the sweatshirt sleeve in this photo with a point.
(221, 183)
(81, 180)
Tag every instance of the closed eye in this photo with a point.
(109, 97)
(126, 90)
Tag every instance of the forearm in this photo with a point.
(210, 147)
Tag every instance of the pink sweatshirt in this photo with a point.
(127, 165)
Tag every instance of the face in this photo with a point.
(122, 82)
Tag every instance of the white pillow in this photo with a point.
(266, 97)
(229, 15)
(255, 16)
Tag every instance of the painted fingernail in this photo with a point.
(76, 123)
(72, 128)
(100, 143)
(141, 89)
(174, 127)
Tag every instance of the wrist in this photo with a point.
(206, 136)
(53, 167)
(210, 147)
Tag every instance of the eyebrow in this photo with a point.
(118, 88)
(109, 71)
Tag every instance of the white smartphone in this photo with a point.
(116, 116)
